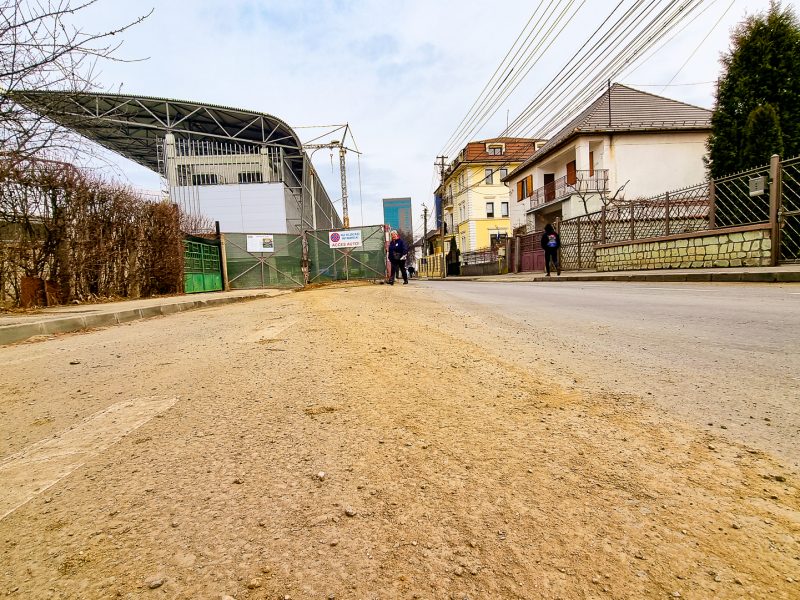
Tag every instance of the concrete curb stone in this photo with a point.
(22, 331)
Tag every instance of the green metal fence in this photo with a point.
(201, 271)
(367, 261)
(264, 261)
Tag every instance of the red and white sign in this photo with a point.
(345, 239)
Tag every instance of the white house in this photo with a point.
(627, 142)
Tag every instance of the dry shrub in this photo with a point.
(89, 238)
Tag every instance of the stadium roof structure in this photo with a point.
(134, 126)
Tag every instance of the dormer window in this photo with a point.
(495, 149)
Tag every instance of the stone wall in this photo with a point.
(730, 247)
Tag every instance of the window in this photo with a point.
(204, 179)
(488, 176)
(250, 177)
(494, 149)
(522, 189)
(490, 210)
(503, 173)
(572, 174)
(504, 209)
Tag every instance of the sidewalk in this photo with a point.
(780, 274)
(15, 327)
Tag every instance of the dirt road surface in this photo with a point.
(365, 442)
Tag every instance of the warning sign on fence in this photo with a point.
(345, 239)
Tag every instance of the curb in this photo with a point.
(763, 277)
(22, 331)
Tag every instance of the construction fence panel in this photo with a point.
(367, 261)
(269, 261)
(790, 211)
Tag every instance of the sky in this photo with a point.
(402, 73)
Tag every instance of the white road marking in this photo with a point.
(41, 465)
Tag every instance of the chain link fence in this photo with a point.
(343, 264)
(279, 266)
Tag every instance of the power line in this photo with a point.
(710, 31)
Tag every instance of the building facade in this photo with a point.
(625, 144)
(476, 204)
(397, 214)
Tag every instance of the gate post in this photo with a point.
(603, 225)
(580, 248)
(712, 205)
(223, 260)
(304, 266)
(775, 196)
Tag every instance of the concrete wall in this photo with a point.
(731, 247)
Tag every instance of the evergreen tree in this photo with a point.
(762, 136)
(762, 68)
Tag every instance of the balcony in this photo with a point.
(583, 182)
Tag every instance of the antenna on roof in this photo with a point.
(609, 104)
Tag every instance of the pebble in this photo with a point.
(174, 523)
(676, 594)
(253, 584)
(154, 582)
(321, 475)
(238, 481)
(736, 526)
(712, 447)
(350, 512)
(780, 478)
(74, 362)
(226, 597)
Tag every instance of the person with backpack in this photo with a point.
(398, 252)
(551, 242)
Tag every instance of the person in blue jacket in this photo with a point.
(398, 252)
(551, 242)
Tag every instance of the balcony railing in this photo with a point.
(583, 182)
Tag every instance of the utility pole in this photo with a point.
(441, 162)
(342, 171)
(424, 231)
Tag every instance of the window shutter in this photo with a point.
(591, 164)
(572, 176)
(529, 180)
(519, 191)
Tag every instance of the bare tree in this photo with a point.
(42, 47)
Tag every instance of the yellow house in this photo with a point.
(477, 206)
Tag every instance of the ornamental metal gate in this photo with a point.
(264, 260)
(789, 214)
(201, 265)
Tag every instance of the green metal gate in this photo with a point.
(263, 260)
(201, 271)
(367, 261)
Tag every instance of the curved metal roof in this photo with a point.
(134, 125)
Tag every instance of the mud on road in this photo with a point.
(365, 442)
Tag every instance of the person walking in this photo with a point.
(398, 252)
(551, 242)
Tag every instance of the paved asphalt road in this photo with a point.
(724, 356)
